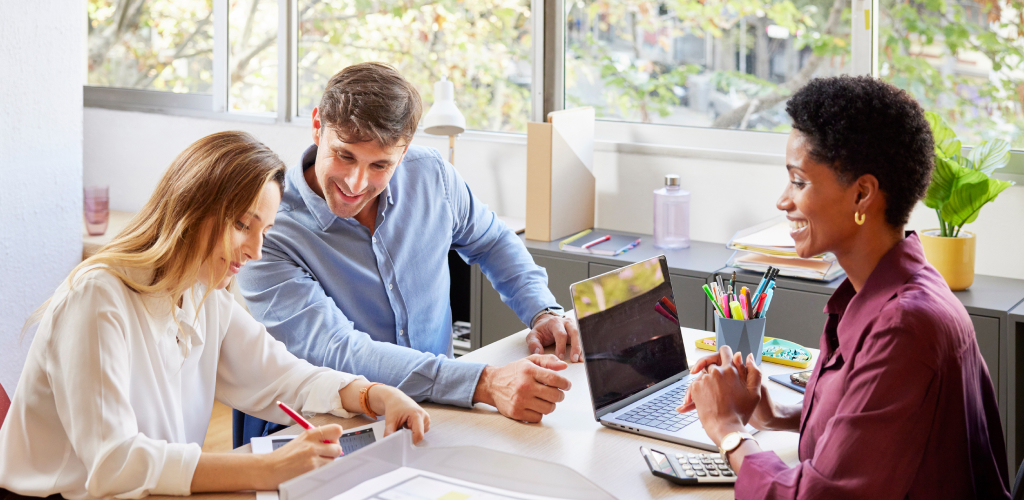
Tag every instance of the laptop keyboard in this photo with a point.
(661, 413)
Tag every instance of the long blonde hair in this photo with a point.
(211, 184)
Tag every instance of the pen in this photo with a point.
(763, 282)
(298, 418)
(667, 304)
(767, 302)
(665, 313)
(760, 306)
(599, 240)
(627, 247)
(732, 282)
(574, 238)
(721, 284)
(744, 303)
(711, 297)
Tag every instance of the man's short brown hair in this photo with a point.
(371, 102)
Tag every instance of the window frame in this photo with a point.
(547, 91)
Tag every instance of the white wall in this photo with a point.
(130, 150)
(41, 74)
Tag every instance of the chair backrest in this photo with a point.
(1016, 493)
(5, 404)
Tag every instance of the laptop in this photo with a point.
(634, 353)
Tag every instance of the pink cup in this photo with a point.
(97, 209)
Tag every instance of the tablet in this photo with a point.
(351, 439)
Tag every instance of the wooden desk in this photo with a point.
(569, 435)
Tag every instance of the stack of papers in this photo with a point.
(769, 244)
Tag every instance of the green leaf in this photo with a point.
(991, 155)
(946, 143)
(945, 178)
(974, 191)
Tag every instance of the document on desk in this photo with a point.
(407, 483)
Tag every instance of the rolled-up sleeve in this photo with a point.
(91, 382)
(482, 238)
(873, 445)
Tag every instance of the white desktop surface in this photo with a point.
(570, 435)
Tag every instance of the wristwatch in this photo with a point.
(546, 310)
(731, 441)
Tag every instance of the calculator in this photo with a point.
(689, 468)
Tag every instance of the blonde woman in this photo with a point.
(133, 349)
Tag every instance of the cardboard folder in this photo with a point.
(560, 185)
(468, 463)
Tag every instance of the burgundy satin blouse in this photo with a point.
(900, 403)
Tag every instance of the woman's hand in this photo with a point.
(726, 395)
(302, 454)
(399, 411)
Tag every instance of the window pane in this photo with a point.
(706, 64)
(482, 46)
(252, 63)
(964, 64)
(151, 45)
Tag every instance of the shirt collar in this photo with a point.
(896, 267)
(317, 205)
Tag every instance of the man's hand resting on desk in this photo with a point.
(523, 390)
(555, 329)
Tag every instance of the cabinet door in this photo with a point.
(797, 316)
(986, 330)
(690, 299)
(497, 320)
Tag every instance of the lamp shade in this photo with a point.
(444, 117)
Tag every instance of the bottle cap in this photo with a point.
(672, 180)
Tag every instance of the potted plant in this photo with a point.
(960, 186)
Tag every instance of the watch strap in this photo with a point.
(743, 436)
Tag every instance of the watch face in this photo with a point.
(731, 441)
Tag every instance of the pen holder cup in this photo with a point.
(741, 336)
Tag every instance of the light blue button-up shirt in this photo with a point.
(378, 305)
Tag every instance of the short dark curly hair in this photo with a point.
(859, 125)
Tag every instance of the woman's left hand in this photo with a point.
(726, 395)
(399, 411)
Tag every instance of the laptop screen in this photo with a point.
(631, 340)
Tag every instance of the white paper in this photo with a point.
(406, 483)
(776, 236)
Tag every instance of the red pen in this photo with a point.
(760, 304)
(298, 418)
(599, 240)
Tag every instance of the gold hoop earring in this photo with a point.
(859, 218)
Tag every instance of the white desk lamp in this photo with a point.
(444, 117)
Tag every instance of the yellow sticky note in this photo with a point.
(453, 495)
(867, 19)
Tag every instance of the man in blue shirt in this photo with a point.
(354, 274)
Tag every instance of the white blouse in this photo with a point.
(115, 400)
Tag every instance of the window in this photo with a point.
(160, 45)
(964, 64)
(705, 64)
(482, 46)
(726, 64)
(252, 62)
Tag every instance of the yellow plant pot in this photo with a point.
(952, 257)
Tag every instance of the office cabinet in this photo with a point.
(987, 332)
(797, 317)
(496, 321)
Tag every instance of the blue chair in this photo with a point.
(244, 427)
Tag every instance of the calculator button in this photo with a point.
(713, 473)
(680, 456)
(727, 473)
(690, 473)
(694, 461)
(719, 461)
(715, 455)
(687, 467)
(700, 473)
(691, 455)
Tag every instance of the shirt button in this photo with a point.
(390, 286)
(374, 239)
(401, 332)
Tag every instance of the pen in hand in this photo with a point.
(298, 418)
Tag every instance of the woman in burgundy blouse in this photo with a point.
(900, 403)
